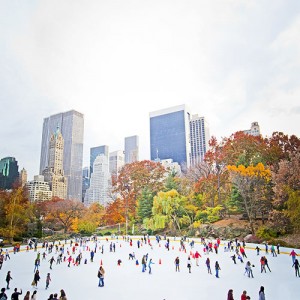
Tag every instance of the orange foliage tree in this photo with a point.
(132, 180)
(62, 213)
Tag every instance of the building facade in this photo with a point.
(199, 135)
(254, 130)
(131, 149)
(116, 162)
(9, 173)
(39, 189)
(169, 135)
(23, 177)
(94, 152)
(71, 124)
(54, 172)
(98, 191)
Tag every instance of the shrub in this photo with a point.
(265, 232)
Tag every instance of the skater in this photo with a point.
(273, 252)
(33, 296)
(144, 261)
(8, 279)
(51, 262)
(3, 295)
(62, 295)
(189, 264)
(293, 254)
(36, 264)
(296, 265)
(262, 265)
(92, 255)
(177, 264)
(101, 273)
(27, 296)
(233, 258)
(230, 295)
(278, 248)
(242, 250)
(197, 256)
(15, 295)
(149, 265)
(131, 256)
(36, 278)
(248, 269)
(261, 293)
(266, 264)
(48, 279)
(257, 250)
(207, 262)
(244, 295)
(217, 268)
(1, 260)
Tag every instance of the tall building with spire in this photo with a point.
(54, 172)
(71, 125)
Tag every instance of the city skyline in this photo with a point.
(233, 63)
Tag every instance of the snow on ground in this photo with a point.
(128, 282)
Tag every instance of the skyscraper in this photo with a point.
(116, 161)
(199, 134)
(23, 177)
(98, 192)
(94, 152)
(169, 135)
(54, 173)
(131, 149)
(9, 172)
(71, 124)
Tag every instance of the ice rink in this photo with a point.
(127, 281)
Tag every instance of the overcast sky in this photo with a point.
(233, 62)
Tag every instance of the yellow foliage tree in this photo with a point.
(251, 183)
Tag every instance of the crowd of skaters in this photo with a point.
(68, 253)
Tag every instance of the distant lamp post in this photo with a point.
(127, 187)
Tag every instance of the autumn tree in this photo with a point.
(168, 210)
(251, 182)
(16, 212)
(114, 212)
(62, 213)
(133, 179)
(91, 219)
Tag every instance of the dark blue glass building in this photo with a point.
(169, 135)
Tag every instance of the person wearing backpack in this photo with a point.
(3, 296)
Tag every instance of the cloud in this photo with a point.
(233, 62)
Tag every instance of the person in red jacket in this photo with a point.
(197, 255)
(230, 295)
(244, 295)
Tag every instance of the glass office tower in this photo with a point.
(169, 135)
(131, 149)
(71, 124)
(94, 152)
